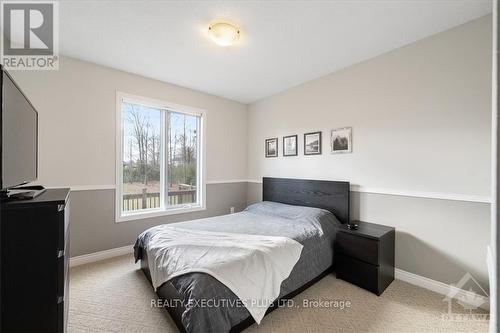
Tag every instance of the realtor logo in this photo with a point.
(471, 296)
(30, 35)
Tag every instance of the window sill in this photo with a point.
(158, 213)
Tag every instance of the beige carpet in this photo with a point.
(114, 296)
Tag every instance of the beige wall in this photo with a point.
(421, 124)
(76, 106)
(420, 117)
(93, 227)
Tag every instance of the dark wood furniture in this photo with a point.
(330, 195)
(365, 256)
(34, 263)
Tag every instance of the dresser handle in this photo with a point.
(60, 299)
(60, 253)
(60, 207)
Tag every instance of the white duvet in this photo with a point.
(251, 266)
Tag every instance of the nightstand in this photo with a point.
(365, 256)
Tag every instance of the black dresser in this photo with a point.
(34, 244)
(365, 256)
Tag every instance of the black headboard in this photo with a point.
(329, 195)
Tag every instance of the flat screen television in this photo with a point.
(19, 136)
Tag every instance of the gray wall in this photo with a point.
(437, 239)
(77, 114)
(92, 217)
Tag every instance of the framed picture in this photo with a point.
(272, 147)
(312, 143)
(341, 140)
(290, 145)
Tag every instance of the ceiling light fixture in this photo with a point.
(224, 34)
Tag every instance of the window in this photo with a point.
(159, 158)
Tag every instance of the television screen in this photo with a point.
(19, 136)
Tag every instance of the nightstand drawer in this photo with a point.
(361, 248)
(357, 272)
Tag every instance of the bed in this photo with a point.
(306, 211)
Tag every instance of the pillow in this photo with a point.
(285, 211)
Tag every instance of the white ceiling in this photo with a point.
(283, 44)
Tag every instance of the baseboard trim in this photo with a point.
(101, 255)
(439, 287)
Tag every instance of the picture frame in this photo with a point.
(341, 140)
(272, 147)
(312, 143)
(290, 147)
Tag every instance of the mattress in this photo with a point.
(209, 306)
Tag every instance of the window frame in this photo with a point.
(120, 216)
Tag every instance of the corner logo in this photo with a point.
(470, 300)
(30, 38)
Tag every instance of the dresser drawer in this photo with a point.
(35, 229)
(360, 248)
(357, 272)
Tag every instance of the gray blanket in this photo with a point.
(312, 227)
